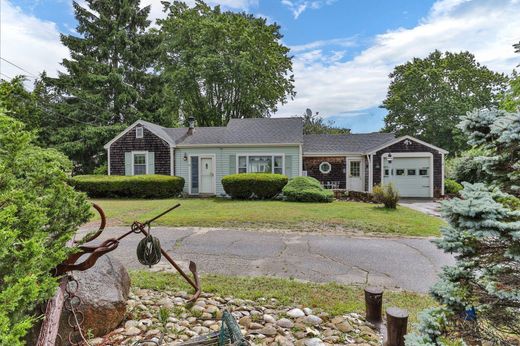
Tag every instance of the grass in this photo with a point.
(218, 212)
(332, 298)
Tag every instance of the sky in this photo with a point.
(343, 50)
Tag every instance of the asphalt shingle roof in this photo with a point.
(345, 143)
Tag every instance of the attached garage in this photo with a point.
(412, 176)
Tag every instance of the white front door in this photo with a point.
(207, 175)
(354, 175)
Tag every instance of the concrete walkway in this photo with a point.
(427, 206)
(407, 263)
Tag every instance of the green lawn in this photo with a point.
(333, 298)
(339, 216)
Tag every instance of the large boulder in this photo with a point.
(103, 290)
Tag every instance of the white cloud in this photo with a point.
(29, 42)
(297, 7)
(487, 28)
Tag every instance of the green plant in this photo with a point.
(139, 186)
(466, 167)
(254, 185)
(386, 194)
(451, 187)
(39, 213)
(306, 189)
(101, 170)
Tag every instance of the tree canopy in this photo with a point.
(221, 65)
(427, 97)
(314, 124)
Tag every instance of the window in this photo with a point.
(260, 164)
(325, 167)
(411, 172)
(139, 132)
(399, 172)
(355, 168)
(423, 171)
(242, 164)
(387, 172)
(139, 164)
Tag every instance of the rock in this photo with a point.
(269, 331)
(103, 290)
(314, 342)
(313, 320)
(269, 319)
(344, 327)
(284, 323)
(307, 311)
(254, 325)
(295, 313)
(132, 331)
(96, 341)
(245, 321)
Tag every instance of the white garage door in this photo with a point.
(410, 175)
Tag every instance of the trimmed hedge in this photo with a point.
(306, 189)
(254, 185)
(451, 187)
(139, 186)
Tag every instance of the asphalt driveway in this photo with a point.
(406, 263)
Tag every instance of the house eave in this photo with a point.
(139, 122)
(399, 139)
(231, 145)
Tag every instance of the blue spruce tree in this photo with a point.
(479, 296)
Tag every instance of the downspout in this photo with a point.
(172, 165)
(442, 175)
(108, 159)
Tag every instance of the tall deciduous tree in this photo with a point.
(427, 97)
(314, 124)
(221, 65)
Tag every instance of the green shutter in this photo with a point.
(151, 162)
(232, 164)
(128, 163)
(288, 165)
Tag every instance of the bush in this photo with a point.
(451, 187)
(386, 194)
(467, 167)
(306, 189)
(101, 170)
(139, 186)
(254, 185)
(39, 213)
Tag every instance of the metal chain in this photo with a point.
(75, 317)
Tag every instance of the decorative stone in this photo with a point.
(285, 323)
(344, 327)
(314, 342)
(269, 319)
(307, 311)
(313, 320)
(132, 331)
(295, 313)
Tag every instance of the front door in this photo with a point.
(206, 175)
(354, 175)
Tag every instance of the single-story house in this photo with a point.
(203, 155)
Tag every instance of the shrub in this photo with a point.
(101, 170)
(39, 213)
(451, 187)
(254, 185)
(467, 167)
(386, 194)
(306, 189)
(139, 186)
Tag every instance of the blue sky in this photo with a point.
(343, 49)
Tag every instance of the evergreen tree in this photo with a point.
(109, 80)
(480, 295)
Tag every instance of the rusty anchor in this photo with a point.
(49, 330)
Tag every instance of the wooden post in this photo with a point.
(397, 321)
(51, 322)
(374, 304)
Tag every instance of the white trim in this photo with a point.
(327, 172)
(408, 154)
(172, 165)
(300, 161)
(216, 145)
(397, 140)
(139, 122)
(145, 159)
(213, 158)
(331, 154)
(370, 159)
(442, 174)
(108, 161)
(361, 171)
(139, 134)
(260, 154)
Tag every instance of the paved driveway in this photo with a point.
(407, 263)
(424, 205)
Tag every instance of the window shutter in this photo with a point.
(151, 162)
(128, 163)
(288, 165)
(232, 164)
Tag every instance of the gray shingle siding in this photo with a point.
(150, 142)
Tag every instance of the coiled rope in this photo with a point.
(149, 250)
